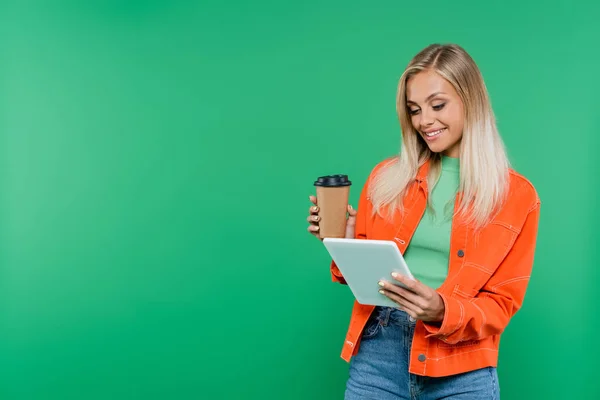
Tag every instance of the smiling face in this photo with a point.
(436, 112)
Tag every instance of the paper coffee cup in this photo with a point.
(333, 192)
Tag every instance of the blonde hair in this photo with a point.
(484, 166)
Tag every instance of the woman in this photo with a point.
(467, 226)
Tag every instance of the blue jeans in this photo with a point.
(380, 369)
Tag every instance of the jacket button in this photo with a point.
(461, 253)
(422, 357)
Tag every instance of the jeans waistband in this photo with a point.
(387, 315)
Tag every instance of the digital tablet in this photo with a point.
(363, 263)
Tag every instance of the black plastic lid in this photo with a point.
(333, 181)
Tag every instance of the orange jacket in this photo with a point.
(488, 274)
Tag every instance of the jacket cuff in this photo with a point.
(336, 275)
(453, 317)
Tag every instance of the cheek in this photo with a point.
(455, 118)
(414, 119)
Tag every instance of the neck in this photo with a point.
(450, 163)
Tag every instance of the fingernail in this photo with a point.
(381, 291)
(395, 274)
(381, 283)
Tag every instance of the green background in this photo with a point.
(156, 161)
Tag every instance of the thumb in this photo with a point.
(351, 211)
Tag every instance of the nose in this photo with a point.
(427, 119)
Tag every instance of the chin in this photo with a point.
(437, 149)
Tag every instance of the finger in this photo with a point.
(411, 284)
(313, 210)
(351, 216)
(404, 305)
(409, 296)
(410, 312)
(314, 229)
(313, 219)
(313, 199)
(400, 291)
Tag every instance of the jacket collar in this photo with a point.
(423, 171)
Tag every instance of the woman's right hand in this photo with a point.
(313, 219)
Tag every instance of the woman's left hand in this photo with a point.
(419, 301)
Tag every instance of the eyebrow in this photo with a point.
(428, 97)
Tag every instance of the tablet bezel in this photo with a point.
(364, 262)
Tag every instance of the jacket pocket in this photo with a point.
(505, 235)
(489, 248)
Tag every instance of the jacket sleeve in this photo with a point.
(489, 312)
(360, 232)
